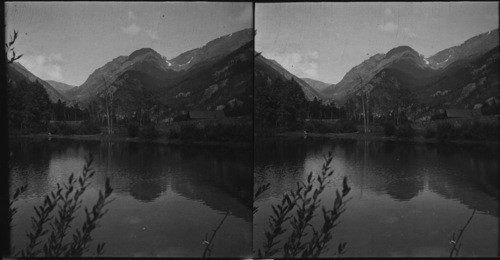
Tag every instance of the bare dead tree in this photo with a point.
(9, 47)
(456, 243)
(365, 123)
(108, 101)
(209, 246)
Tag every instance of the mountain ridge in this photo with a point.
(17, 72)
(413, 69)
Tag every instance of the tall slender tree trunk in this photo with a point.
(364, 111)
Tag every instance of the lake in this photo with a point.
(166, 197)
(407, 198)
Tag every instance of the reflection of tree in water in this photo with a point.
(402, 170)
(384, 167)
(474, 174)
(278, 161)
(145, 170)
(29, 163)
(404, 190)
(405, 179)
(146, 191)
(210, 172)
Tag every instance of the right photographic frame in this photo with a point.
(376, 129)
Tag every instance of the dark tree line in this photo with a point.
(30, 108)
(67, 112)
(319, 110)
(282, 105)
(278, 104)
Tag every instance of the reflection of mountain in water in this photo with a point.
(476, 174)
(146, 191)
(401, 170)
(220, 178)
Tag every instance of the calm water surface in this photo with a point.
(166, 198)
(407, 199)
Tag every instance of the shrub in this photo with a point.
(181, 117)
(318, 127)
(478, 131)
(405, 131)
(220, 132)
(298, 207)
(345, 126)
(88, 128)
(430, 132)
(308, 127)
(322, 127)
(446, 131)
(190, 132)
(38, 128)
(149, 132)
(65, 200)
(173, 134)
(389, 129)
(236, 132)
(133, 130)
(53, 129)
(61, 128)
(65, 129)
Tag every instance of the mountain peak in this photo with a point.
(400, 49)
(221, 46)
(142, 52)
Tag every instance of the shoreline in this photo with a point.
(103, 137)
(378, 137)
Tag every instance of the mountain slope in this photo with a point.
(466, 83)
(59, 86)
(144, 60)
(309, 92)
(316, 84)
(214, 84)
(221, 46)
(431, 80)
(280, 102)
(470, 49)
(221, 81)
(151, 71)
(16, 73)
(402, 60)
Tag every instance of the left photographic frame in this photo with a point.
(130, 129)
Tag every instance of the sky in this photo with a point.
(323, 41)
(66, 42)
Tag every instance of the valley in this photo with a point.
(400, 87)
(144, 90)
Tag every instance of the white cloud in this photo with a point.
(131, 15)
(132, 29)
(301, 65)
(388, 12)
(44, 67)
(389, 27)
(152, 34)
(313, 55)
(409, 33)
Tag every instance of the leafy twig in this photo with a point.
(15, 197)
(69, 195)
(259, 192)
(305, 198)
(9, 48)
